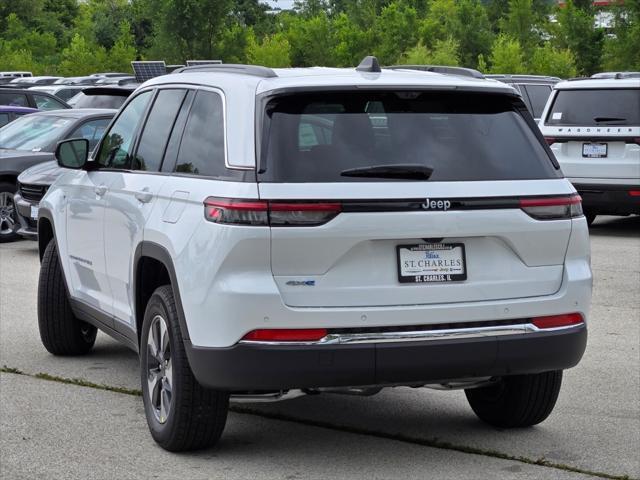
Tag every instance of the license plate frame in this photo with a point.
(595, 150)
(35, 211)
(432, 274)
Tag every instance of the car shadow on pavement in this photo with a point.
(616, 226)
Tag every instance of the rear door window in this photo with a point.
(91, 130)
(14, 99)
(155, 135)
(620, 106)
(316, 137)
(202, 149)
(538, 96)
(116, 148)
(47, 103)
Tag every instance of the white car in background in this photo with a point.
(593, 128)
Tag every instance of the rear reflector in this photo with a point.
(552, 208)
(556, 321)
(286, 335)
(231, 211)
(634, 193)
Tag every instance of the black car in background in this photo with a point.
(18, 97)
(31, 140)
(112, 96)
(535, 89)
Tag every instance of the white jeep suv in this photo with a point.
(257, 234)
(593, 128)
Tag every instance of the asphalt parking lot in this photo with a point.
(51, 428)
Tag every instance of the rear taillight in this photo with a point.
(263, 213)
(552, 208)
(557, 321)
(236, 212)
(550, 140)
(286, 335)
(302, 214)
(634, 193)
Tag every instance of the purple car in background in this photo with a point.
(8, 113)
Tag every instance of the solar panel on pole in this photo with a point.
(145, 70)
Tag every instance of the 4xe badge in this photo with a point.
(436, 205)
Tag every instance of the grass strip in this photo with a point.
(433, 443)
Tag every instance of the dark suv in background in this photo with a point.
(535, 89)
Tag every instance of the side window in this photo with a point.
(91, 130)
(13, 99)
(47, 103)
(115, 151)
(157, 129)
(202, 147)
(538, 94)
(4, 119)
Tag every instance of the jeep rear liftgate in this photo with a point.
(401, 197)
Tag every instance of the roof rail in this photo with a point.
(443, 69)
(253, 70)
(616, 75)
(520, 76)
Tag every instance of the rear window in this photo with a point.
(538, 96)
(595, 107)
(315, 137)
(99, 101)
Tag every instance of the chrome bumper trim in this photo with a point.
(419, 335)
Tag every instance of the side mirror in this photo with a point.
(72, 153)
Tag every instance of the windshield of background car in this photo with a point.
(620, 106)
(33, 132)
(98, 101)
(313, 137)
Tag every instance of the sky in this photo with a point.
(282, 4)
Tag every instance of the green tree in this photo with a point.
(506, 56)
(442, 21)
(444, 52)
(310, 40)
(352, 43)
(123, 51)
(232, 44)
(520, 23)
(82, 57)
(622, 52)
(547, 60)
(273, 51)
(576, 31)
(394, 31)
(474, 35)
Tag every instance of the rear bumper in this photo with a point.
(28, 226)
(267, 367)
(609, 199)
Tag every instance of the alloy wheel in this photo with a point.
(7, 214)
(159, 369)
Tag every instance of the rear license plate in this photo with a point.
(34, 212)
(431, 263)
(594, 150)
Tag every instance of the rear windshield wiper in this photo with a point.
(609, 119)
(410, 172)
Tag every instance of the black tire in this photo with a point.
(195, 416)
(9, 223)
(60, 331)
(516, 401)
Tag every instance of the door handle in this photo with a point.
(144, 196)
(100, 190)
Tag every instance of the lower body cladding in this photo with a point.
(609, 199)
(25, 213)
(416, 359)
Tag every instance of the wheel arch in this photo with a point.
(153, 267)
